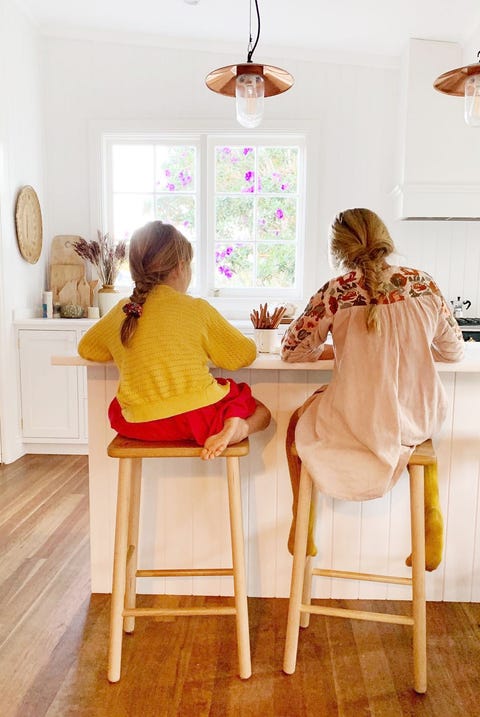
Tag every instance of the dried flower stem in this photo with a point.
(104, 254)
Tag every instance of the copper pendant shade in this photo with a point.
(223, 80)
(453, 81)
(463, 82)
(249, 82)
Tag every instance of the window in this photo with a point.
(238, 199)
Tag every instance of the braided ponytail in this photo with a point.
(155, 250)
(359, 239)
(372, 277)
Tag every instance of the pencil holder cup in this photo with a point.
(265, 339)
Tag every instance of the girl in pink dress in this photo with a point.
(388, 324)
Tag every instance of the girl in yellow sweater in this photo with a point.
(162, 341)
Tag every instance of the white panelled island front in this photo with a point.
(184, 512)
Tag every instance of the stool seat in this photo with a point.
(423, 455)
(130, 454)
(300, 607)
(121, 447)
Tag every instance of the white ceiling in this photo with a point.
(376, 27)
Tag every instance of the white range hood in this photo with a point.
(439, 153)
(433, 202)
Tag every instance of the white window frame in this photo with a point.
(236, 303)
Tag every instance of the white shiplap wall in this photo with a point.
(449, 250)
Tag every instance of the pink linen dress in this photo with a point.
(385, 396)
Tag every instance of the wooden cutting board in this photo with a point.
(65, 267)
(62, 251)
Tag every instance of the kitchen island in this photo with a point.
(189, 503)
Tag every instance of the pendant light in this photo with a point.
(249, 82)
(463, 82)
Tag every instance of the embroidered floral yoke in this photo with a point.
(385, 395)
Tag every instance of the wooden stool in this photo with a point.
(300, 606)
(123, 611)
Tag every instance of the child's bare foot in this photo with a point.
(234, 430)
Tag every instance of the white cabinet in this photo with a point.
(53, 398)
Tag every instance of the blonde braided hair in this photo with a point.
(154, 251)
(360, 240)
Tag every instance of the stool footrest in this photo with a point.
(357, 614)
(349, 575)
(183, 572)
(165, 611)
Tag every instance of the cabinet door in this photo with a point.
(49, 394)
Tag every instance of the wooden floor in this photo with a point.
(53, 635)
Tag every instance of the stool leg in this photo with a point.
(418, 578)
(238, 560)
(307, 591)
(298, 573)
(133, 530)
(119, 570)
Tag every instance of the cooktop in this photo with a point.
(470, 321)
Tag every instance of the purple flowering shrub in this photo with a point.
(234, 265)
(276, 218)
(221, 260)
(175, 169)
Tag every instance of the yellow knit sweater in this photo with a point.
(164, 371)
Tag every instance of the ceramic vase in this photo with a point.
(108, 296)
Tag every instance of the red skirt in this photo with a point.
(196, 425)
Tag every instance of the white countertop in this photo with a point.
(36, 322)
(470, 363)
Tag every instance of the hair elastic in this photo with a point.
(133, 309)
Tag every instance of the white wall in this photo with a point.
(21, 162)
(471, 47)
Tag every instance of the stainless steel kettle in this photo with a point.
(458, 305)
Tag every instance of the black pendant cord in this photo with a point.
(251, 49)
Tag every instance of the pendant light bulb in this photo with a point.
(472, 101)
(249, 93)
